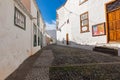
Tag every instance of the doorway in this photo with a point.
(67, 39)
(113, 21)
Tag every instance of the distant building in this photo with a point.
(21, 33)
(89, 22)
(52, 34)
(48, 39)
(44, 36)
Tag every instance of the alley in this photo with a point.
(65, 63)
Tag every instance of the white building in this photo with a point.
(20, 23)
(52, 33)
(89, 22)
(44, 35)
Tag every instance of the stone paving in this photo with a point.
(39, 69)
(81, 64)
(65, 63)
(65, 56)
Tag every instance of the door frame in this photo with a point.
(106, 14)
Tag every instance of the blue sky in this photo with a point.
(48, 11)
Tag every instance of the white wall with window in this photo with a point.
(82, 15)
(35, 26)
(17, 34)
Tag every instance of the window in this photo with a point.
(38, 18)
(35, 35)
(82, 1)
(84, 22)
(39, 37)
(19, 19)
(67, 21)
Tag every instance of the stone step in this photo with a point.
(107, 50)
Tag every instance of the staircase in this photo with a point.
(111, 49)
(106, 50)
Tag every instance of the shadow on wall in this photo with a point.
(74, 44)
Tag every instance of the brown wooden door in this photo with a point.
(67, 39)
(114, 26)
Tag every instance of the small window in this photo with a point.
(39, 36)
(67, 21)
(84, 22)
(57, 16)
(38, 18)
(82, 1)
(19, 19)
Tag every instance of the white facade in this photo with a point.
(44, 36)
(16, 44)
(71, 11)
(34, 10)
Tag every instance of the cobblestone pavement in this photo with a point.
(38, 70)
(81, 64)
(65, 63)
(65, 56)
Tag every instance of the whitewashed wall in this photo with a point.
(15, 43)
(96, 10)
(34, 10)
(63, 25)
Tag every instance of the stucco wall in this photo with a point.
(96, 10)
(65, 28)
(34, 21)
(15, 43)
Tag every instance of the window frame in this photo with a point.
(39, 40)
(35, 38)
(81, 26)
(82, 2)
(15, 17)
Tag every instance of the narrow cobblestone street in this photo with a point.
(60, 40)
(35, 68)
(40, 70)
(65, 63)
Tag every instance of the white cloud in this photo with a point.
(51, 26)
